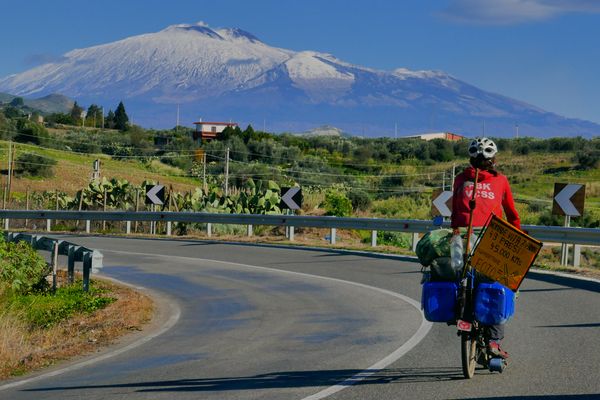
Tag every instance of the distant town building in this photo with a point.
(35, 117)
(209, 130)
(437, 135)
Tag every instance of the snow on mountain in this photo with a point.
(179, 63)
(231, 74)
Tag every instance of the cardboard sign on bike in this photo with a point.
(504, 253)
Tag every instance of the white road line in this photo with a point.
(378, 366)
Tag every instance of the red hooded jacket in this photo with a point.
(492, 196)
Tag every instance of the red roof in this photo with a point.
(216, 123)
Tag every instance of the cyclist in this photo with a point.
(492, 195)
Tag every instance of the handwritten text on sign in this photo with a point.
(504, 253)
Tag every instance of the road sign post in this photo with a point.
(155, 196)
(291, 199)
(568, 200)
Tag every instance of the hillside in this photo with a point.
(74, 171)
(52, 103)
(382, 177)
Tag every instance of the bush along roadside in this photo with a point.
(39, 325)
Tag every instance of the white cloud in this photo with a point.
(514, 11)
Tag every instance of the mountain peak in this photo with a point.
(236, 33)
(199, 27)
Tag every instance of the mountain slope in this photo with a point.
(230, 74)
(52, 103)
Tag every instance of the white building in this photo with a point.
(210, 130)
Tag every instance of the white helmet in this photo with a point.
(484, 146)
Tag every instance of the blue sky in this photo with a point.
(544, 52)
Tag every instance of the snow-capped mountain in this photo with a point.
(230, 74)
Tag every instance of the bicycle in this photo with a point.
(473, 334)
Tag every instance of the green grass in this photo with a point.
(43, 310)
(78, 163)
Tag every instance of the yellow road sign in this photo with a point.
(199, 155)
(505, 253)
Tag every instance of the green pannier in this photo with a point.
(434, 244)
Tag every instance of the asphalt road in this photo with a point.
(264, 322)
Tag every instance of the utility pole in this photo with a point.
(204, 172)
(96, 173)
(8, 178)
(12, 169)
(177, 122)
(102, 117)
(396, 130)
(227, 173)
(453, 175)
(517, 130)
(443, 180)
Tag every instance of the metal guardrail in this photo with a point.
(581, 236)
(91, 259)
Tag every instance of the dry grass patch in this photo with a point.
(24, 348)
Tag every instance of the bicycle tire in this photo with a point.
(468, 347)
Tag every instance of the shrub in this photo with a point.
(30, 132)
(337, 204)
(360, 199)
(21, 267)
(588, 159)
(394, 239)
(32, 164)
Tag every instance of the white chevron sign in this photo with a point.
(568, 199)
(440, 202)
(155, 195)
(291, 198)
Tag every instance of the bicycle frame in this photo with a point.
(472, 333)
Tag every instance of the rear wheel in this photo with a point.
(468, 344)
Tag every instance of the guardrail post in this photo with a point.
(88, 226)
(576, 255)
(373, 238)
(249, 230)
(48, 225)
(97, 261)
(209, 229)
(128, 227)
(54, 264)
(332, 237)
(168, 228)
(564, 254)
(87, 267)
(415, 240)
(71, 264)
(291, 237)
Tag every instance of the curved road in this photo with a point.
(264, 322)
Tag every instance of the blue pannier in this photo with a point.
(438, 300)
(494, 303)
